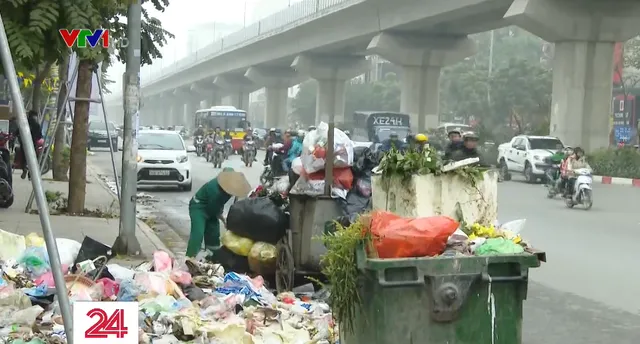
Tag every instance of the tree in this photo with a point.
(34, 37)
(105, 14)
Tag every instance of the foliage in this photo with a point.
(409, 163)
(616, 162)
(340, 267)
(632, 53)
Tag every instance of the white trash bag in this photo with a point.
(314, 161)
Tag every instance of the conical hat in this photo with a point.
(234, 183)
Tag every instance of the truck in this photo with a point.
(526, 154)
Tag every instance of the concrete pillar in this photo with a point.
(276, 81)
(331, 72)
(421, 58)
(191, 106)
(584, 33)
(236, 89)
(239, 99)
(276, 115)
(208, 95)
(330, 100)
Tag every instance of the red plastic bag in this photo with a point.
(399, 237)
(342, 177)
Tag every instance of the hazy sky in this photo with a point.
(181, 15)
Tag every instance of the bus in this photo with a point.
(376, 126)
(226, 118)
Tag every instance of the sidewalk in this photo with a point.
(98, 197)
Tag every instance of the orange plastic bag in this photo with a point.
(342, 177)
(399, 237)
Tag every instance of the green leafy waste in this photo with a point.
(340, 268)
(395, 163)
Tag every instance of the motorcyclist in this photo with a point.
(295, 150)
(410, 141)
(248, 136)
(469, 148)
(392, 142)
(271, 139)
(199, 131)
(578, 161)
(227, 135)
(455, 143)
(421, 142)
(36, 135)
(217, 134)
(564, 172)
(556, 161)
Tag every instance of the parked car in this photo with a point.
(98, 136)
(163, 159)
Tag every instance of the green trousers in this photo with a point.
(203, 227)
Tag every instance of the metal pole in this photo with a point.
(126, 242)
(36, 181)
(106, 124)
(47, 146)
(493, 34)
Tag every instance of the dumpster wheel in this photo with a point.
(285, 267)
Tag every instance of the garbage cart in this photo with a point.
(300, 250)
(461, 300)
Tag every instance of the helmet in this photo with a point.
(393, 134)
(301, 133)
(312, 127)
(568, 150)
(200, 126)
(470, 136)
(347, 132)
(578, 150)
(454, 131)
(422, 138)
(272, 130)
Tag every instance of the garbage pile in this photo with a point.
(310, 166)
(398, 237)
(179, 300)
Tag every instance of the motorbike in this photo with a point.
(199, 143)
(218, 154)
(228, 148)
(248, 153)
(582, 191)
(6, 177)
(208, 151)
(274, 168)
(18, 164)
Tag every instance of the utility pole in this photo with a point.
(126, 242)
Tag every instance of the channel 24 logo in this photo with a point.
(105, 322)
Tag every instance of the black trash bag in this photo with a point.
(90, 250)
(258, 219)
(230, 261)
(193, 292)
(354, 205)
(104, 273)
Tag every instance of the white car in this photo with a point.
(526, 154)
(163, 159)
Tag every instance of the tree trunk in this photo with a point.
(78, 164)
(36, 96)
(61, 167)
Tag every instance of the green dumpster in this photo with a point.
(441, 300)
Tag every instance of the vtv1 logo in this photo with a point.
(87, 38)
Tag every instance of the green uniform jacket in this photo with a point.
(557, 158)
(204, 208)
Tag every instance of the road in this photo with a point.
(584, 294)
